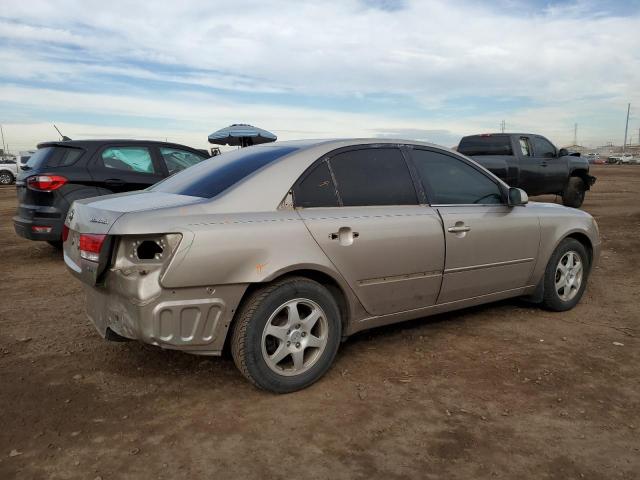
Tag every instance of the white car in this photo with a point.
(8, 171)
(626, 159)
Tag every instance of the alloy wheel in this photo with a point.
(568, 278)
(294, 337)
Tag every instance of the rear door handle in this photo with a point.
(344, 235)
(459, 229)
(114, 182)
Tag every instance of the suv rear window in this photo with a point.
(53, 157)
(213, 176)
(486, 145)
(39, 158)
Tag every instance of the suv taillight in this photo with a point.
(90, 245)
(46, 183)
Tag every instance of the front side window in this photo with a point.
(450, 181)
(176, 159)
(316, 189)
(373, 176)
(525, 148)
(543, 148)
(131, 159)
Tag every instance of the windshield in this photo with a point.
(211, 177)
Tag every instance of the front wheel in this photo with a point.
(565, 277)
(286, 335)
(6, 178)
(573, 195)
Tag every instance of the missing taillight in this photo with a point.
(149, 250)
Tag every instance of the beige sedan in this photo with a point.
(282, 250)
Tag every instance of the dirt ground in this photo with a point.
(500, 391)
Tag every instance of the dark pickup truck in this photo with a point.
(533, 163)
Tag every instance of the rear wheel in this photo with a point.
(573, 195)
(565, 277)
(57, 244)
(286, 335)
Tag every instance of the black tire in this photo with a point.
(573, 195)
(57, 244)
(248, 328)
(6, 178)
(552, 299)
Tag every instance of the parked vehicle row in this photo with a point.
(533, 163)
(623, 159)
(59, 173)
(279, 251)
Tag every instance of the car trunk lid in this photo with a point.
(86, 239)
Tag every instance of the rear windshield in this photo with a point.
(38, 159)
(486, 145)
(52, 157)
(211, 177)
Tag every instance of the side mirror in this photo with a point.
(563, 152)
(517, 196)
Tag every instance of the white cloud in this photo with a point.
(569, 62)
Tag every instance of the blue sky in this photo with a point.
(413, 69)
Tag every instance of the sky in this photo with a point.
(422, 70)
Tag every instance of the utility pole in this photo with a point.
(502, 126)
(575, 134)
(4, 147)
(626, 128)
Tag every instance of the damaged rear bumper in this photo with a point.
(194, 319)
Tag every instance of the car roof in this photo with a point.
(333, 143)
(97, 142)
(265, 189)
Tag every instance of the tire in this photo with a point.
(267, 360)
(57, 244)
(560, 298)
(573, 195)
(6, 178)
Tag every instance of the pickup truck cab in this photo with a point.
(533, 163)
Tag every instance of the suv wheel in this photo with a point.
(286, 335)
(573, 195)
(565, 277)
(6, 178)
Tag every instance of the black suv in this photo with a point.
(61, 172)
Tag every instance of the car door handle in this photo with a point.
(335, 236)
(114, 182)
(344, 235)
(459, 229)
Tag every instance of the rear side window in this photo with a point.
(450, 181)
(316, 189)
(486, 145)
(64, 157)
(373, 176)
(211, 177)
(176, 159)
(131, 159)
(525, 147)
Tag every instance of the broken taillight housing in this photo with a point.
(90, 245)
